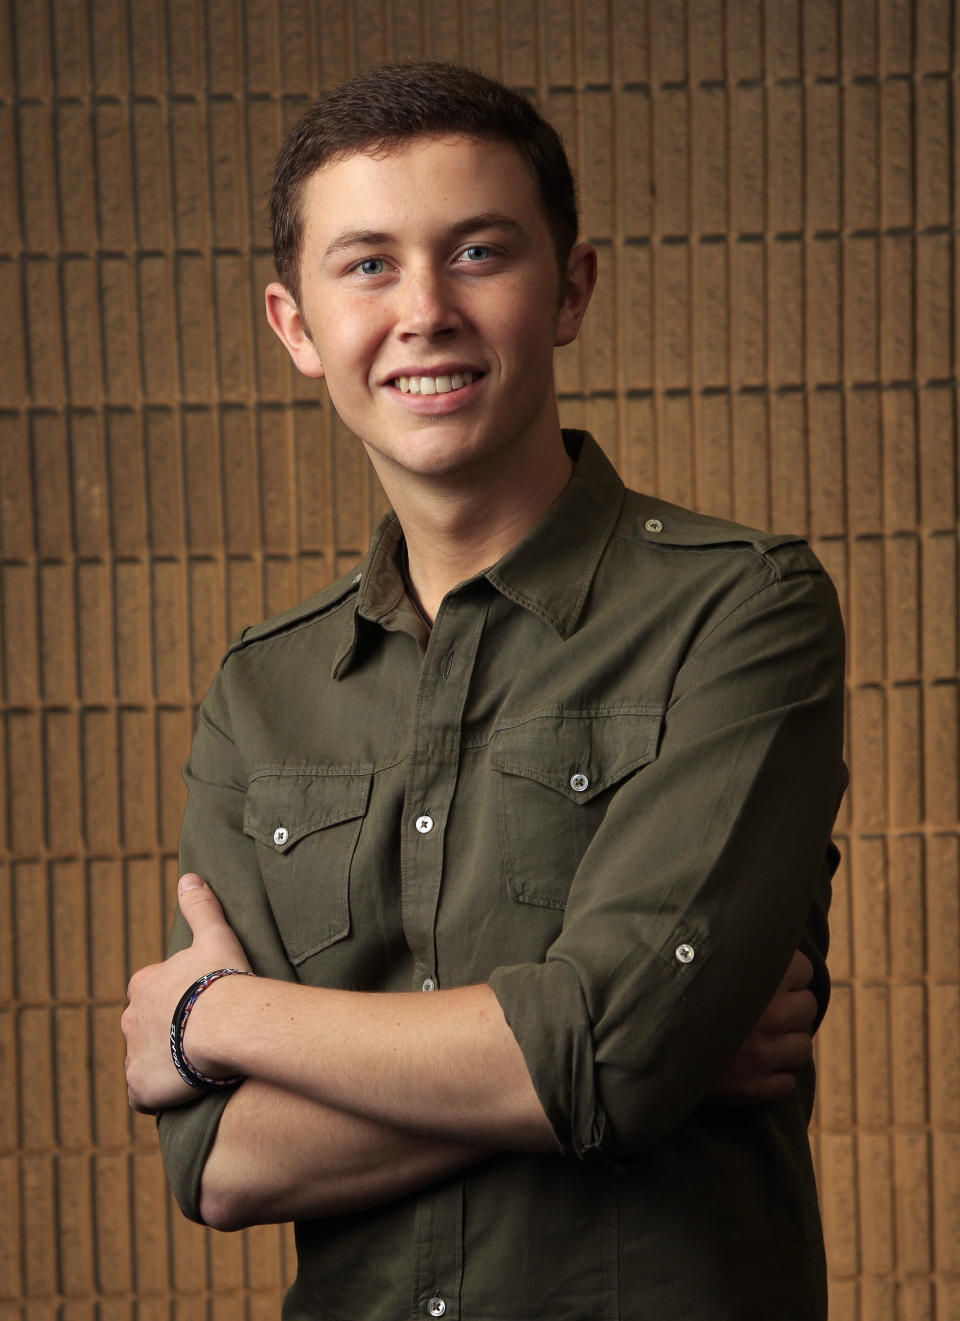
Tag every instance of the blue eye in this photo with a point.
(371, 266)
(476, 252)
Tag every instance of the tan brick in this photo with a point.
(875, 1197)
(9, 1080)
(946, 1201)
(905, 713)
(75, 180)
(672, 163)
(673, 315)
(68, 910)
(838, 1197)
(709, 326)
(109, 39)
(902, 623)
(71, 1040)
(148, 48)
(866, 634)
(786, 324)
(941, 741)
(636, 310)
(279, 584)
(174, 731)
(748, 317)
(896, 40)
(944, 1056)
(635, 163)
(940, 606)
(783, 26)
(25, 783)
(158, 333)
(747, 143)
(12, 1238)
(897, 157)
(228, 178)
(943, 907)
(878, 1294)
(313, 481)
(113, 177)
(861, 303)
(71, 48)
(244, 595)
(714, 456)
(785, 158)
(745, 39)
(150, 1239)
(152, 176)
(864, 463)
(907, 903)
(44, 340)
(823, 151)
(835, 1046)
(932, 128)
(109, 972)
(751, 460)
(668, 55)
(234, 344)
(823, 346)
(120, 330)
(912, 1181)
(38, 187)
(938, 460)
(675, 443)
(909, 1054)
(74, 1228)
(788, 463)
(112, 1234)
(867, 727)
(13, 367)
(276, 467)
(62, 780)
(133, 635)
(934, 253)
(870, 905)
(872, 1065)
(39, 1247)
(110, 1110)
(18, 635)
(596, 118)
(901, 509)
(34, 1068)
(709, 155)
(138, 797)
(57, 633)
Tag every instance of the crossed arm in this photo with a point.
(353, 1099)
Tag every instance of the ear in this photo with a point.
(581, 277)
(287, 323)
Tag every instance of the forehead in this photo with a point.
(421, 182)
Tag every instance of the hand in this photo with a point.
(764, 1068)
(154, 992)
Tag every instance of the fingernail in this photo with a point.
(190, 882)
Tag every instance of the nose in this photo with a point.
(428, 305)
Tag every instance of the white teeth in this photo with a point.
(434, 384)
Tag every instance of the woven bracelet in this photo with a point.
(179, 1022)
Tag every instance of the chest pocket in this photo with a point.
(306, 825)
(557, 773)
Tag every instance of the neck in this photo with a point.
(455, 530)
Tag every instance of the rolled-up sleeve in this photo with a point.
(711, 866)
(213, 844)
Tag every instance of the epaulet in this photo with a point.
(311, 608)
(663, 524)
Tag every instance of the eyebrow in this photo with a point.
(358, 238)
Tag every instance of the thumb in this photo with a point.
(198, 904)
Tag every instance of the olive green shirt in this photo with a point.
(604, 783)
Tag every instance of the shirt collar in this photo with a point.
(548, 572)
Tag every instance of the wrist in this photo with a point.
(193, 1034)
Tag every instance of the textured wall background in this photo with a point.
(773, 190)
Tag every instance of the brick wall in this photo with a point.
(773, 191)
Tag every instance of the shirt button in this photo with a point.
(424, 824)
(684, 953)
(436, 1307)
(280, 836)
(579, 782)
(653, 525)
(429, 984)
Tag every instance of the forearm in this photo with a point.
(280, 1156)
(443, 1065)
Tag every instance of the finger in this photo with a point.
(799, 974)
(800, 1012)
(198, 904)
(786, 1053)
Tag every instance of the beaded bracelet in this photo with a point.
(179, 1022)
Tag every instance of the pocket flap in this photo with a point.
(284, 805)
(579, 753)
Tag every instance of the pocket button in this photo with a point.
(579, 783)
(280, 836)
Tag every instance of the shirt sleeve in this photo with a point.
(213, 844)
(711, 866)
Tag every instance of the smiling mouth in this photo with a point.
(434, 384)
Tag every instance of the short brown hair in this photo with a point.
(381, 108)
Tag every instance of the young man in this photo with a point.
(564, 756)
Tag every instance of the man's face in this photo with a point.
(431, 303)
